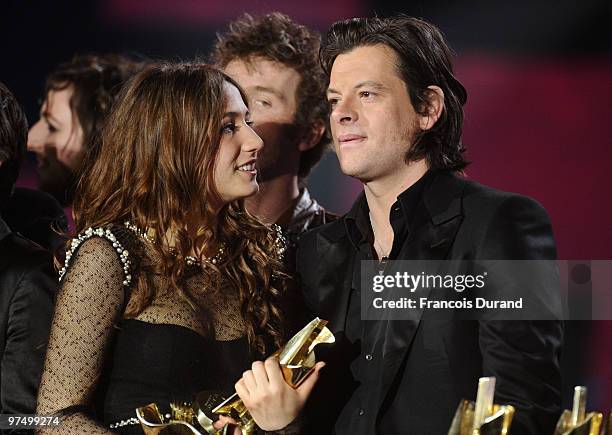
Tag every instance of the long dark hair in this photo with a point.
(155, 168)
(424, 60)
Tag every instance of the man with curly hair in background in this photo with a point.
(276, 61)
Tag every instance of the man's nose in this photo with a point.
(343, 112)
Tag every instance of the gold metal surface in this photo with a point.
(482, 417)
(577, 421)
(297, 360)
(153, 422)
(484, 401)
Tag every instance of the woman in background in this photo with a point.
(171, 287)
(78, 96)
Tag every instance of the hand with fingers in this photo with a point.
(224, 421)
(272, 402)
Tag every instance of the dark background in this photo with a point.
(538, 117)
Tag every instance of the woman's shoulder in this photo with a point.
(112, 243)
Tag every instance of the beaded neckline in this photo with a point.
(124, 255)
(190, 260)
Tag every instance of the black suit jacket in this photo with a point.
(27, 288)
(434, 363)
(35, 214)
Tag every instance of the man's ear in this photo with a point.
(435, 105)
(312, 136)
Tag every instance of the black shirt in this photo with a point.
(359, 414)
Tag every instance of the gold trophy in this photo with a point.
(482, 417)
(297, 360)
(577, 421)
(180, 421)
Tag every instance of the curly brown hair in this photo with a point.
(155, 169)
(277, 37)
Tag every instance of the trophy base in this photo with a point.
(497, 423)
(591, 425)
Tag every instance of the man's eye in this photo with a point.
(263, 103)
(229, 128)
(333, 101)
(365, 94)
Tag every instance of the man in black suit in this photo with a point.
(396, 123)
(27, 281)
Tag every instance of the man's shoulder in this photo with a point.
(320, 218)
(309, 214)
(504, 225)
(27, 205)
(484, 200)
(23, 260)
(332, 231)
(36, 214)
(23, 251)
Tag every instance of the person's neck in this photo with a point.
(381, 194)
(273, 199)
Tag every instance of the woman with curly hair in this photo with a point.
(170, 287)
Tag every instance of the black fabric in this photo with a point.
(401, 215)
(34, 215)
(161, 363)
(367, 336)
(430, 364)
(27, 287)
(100, 367)
(305, 215)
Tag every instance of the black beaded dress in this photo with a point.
(100, 367)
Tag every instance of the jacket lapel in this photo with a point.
(335, 255)
(5, 231)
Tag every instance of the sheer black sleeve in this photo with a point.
(90, 302)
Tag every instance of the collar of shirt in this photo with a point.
(300, 215)
(359, 227)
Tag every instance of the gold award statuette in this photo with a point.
(180, 421)
(577, 421)
(297, 360)
(482, 417)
